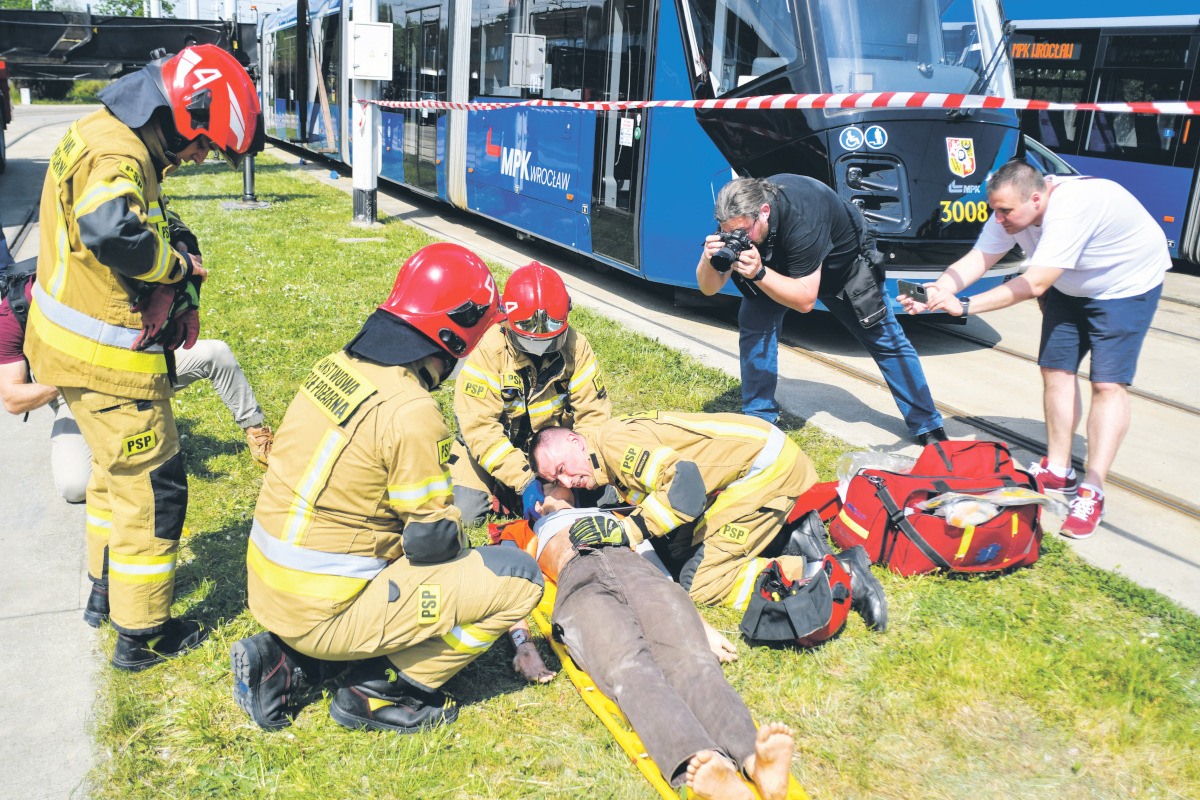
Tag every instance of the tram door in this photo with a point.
(620, 135)
(419, 47)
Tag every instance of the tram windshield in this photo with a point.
(860, 45)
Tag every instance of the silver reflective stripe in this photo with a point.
(767, 456)
(81, 324)
(305, 560)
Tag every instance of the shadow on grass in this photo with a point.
(219, 556)
(200, 448)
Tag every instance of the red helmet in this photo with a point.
(211, 95)
(447, 293)
(537, 305)
(839, 585)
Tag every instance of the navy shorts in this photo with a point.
(1112, 330)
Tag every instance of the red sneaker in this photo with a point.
(1087, 509)
(1051, 482)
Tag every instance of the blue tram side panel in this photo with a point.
(635, 189)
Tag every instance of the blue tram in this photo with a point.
(634, 189)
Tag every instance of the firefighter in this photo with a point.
(356, 551)
(113, 297)
(711, 492)
(532, 371)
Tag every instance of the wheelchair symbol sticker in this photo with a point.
(876, 137)
(851, 138)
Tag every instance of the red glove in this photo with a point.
(187, 327)
(155, 308)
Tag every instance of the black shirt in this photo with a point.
(811, 226)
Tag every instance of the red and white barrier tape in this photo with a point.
(864, 100)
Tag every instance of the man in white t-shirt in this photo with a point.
(1097, 259)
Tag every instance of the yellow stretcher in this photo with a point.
(611, 716)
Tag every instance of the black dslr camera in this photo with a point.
(734, 243)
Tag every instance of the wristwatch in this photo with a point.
(966, 305)
(519, 637)
(758, 276)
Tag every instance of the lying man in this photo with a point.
(665, 677)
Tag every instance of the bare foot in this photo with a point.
(772, 762)
(711, 776)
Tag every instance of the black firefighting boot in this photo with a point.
(271, 681)
(376, 696)
(808, 539)
(96, 610)
(136, 653)
(866, 592)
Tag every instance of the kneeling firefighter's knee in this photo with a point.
(807, 612)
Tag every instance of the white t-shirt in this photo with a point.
(1106, 243)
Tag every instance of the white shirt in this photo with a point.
(1106, 243)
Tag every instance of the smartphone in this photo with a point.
(914, 290)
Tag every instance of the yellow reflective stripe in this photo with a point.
(141, 569)
(850, 523)
(583, 374)
(1015, 523)
(163, 268)
(490, 378)
(496, 454)
(412, 496)
(58, 279)
(649, 477)
(743, 588)
(104, 191)
(756, 481)
(92, 352)
(660, 513)
(309, 584)
(547, 407)
(311, 483)
(718, 429)
(965, 544)
(469, 639)
(99, 522)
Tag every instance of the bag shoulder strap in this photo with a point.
(901, 523)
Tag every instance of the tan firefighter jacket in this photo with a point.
(104, 233)
(669, 465)
(358, 478)
(501, 399)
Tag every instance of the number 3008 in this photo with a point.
(964, 211)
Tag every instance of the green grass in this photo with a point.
(1055, 681)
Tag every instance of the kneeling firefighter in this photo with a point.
(531, 371)
(356, 552)
(115, 294)
(711, 492)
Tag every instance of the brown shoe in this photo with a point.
(260, 439)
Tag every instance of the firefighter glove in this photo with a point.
(598, 530)
(170, 315)
(531, 495)
(181, 234)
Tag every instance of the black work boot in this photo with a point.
(96, 610)
(808, 539)
(375, 696)
(136, 653)
(866, 592)
(270, 679)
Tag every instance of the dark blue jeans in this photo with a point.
(759, 320)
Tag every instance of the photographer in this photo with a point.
(788, 241)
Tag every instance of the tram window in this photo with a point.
(1147, 138)
(1058, 130)
(283, 69)
(742, 41)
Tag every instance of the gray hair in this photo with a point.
(743, 197)
(1021, 176)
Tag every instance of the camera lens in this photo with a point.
(722, 260)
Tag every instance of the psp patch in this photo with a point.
(473, 389)
(139, 443)
(133, 173)
(429, 603)
(444, 450)
(734, 533)
(630, 460)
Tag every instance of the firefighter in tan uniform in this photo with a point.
(530, 372)
(356, 551)
(710, 491)
(113, 297)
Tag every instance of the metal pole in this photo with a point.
(156, 9)
(367, 125)
(194, 9)
(248, 195)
